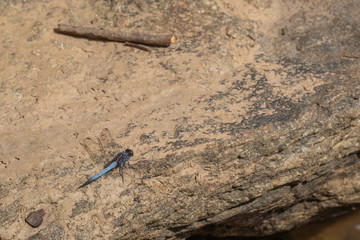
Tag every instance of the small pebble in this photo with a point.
(231, 32)
(35, 219)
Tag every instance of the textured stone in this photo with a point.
(248, 125)
(35, 219)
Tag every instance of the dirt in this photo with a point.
(236, 67)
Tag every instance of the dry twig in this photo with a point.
(159, 40)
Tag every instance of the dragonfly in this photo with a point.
(118, 161)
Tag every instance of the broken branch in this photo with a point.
(160, 40)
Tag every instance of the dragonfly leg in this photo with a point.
(121, 173)
(123, 164)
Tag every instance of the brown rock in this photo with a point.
(35, 219)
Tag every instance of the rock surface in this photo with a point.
(248, 125)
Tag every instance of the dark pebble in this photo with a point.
(35, 219)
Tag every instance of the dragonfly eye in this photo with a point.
(129, 152)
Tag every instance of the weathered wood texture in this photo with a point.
(248, 125)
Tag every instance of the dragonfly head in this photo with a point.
(129, 152)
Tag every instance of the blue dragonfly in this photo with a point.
(118, 161)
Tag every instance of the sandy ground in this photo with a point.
(58, 92)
